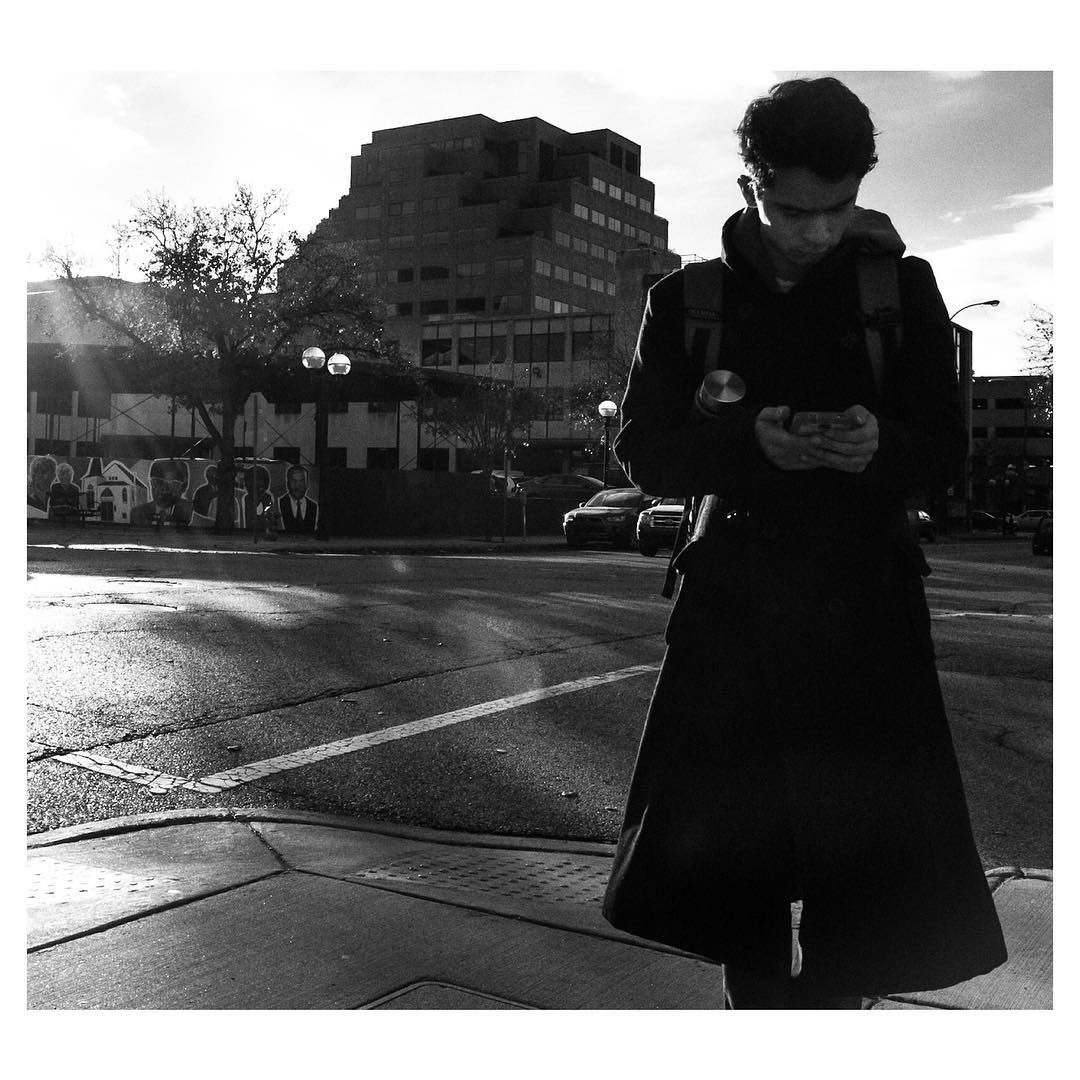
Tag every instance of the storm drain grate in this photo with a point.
(51, 881)
(508, 873)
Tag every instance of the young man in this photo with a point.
(796, 746)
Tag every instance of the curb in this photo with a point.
(164, 818)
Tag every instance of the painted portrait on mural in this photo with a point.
(40, 475)
(64, 494)
(299, 513)
(181, 491)
(169, 480)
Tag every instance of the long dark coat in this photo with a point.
(796, 746)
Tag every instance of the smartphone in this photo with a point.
(821, 423)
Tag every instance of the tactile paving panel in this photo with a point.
(508, 873)
(51, 881)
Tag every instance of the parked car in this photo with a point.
(610, 515)
(498, 480)
(982, 521)
(1029, 519)
(921, 526)
(657, 525)
(557, 485)
(1042, 543)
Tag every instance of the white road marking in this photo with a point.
(160, 783)
(989, 615)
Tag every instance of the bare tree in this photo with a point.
(225, 294)
(1039, 350)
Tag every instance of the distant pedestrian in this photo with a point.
(796, 746)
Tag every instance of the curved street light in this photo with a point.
(314, 359)
(607, 410)
(978, 303)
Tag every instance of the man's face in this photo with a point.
(297, 484)
(803, 217)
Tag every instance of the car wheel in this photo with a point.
(646, 548)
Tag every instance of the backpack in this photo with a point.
(703, 319)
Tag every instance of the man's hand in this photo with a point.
(848, 450)
(844, 450)
(784, 450)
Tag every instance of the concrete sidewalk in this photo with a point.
(257, 909)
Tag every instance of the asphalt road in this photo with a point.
(486, 693)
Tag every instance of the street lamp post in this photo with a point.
(977, 303)
(965, 372)
(607, 410)
(314, 359)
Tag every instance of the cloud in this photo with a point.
(1044, 197)
(1013, 266)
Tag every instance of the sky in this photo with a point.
(965, 156)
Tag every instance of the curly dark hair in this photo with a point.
(816, 124)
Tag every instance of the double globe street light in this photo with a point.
(314, 359)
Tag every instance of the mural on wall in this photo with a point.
(267, 495)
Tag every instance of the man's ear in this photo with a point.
(746, 186)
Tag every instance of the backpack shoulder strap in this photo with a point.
(879, 299)
(703, 289)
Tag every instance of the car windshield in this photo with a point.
(670, 502)
(615, 498)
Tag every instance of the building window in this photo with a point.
(434, 307)
(629, 198)
(555, 404)
(472, 236)
(434, 459)
(509, 266)
(434, 273)
(615, 155)
(596, 284)
(471, 270)
(540, 342)
(437, 238)
(401, 240)
(400, 275)
(508, 302)
(644, 237)
(398, 209)
(580, 279)
(562, 273)
(614, 224)
(543, 267)
(599, 185)
(562, 238)
(470, 303)
(631, 163)
(612, 256)
(368, 213)
(646, 205)
(581, 245)
(581, 211)
(382, 457)
(435, 345)
(598, 251)
(596, 217)
(481, 344)
(398, 310)
(629, 230)
(439, 202)
(541, 303)
(560, 307)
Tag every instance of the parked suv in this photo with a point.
(609, 515)
(658, 524)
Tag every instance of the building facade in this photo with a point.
(510, 250)
(1012, 444)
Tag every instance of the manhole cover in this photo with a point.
(51, 881)
(509, 873)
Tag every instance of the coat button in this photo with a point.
(836, 606)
